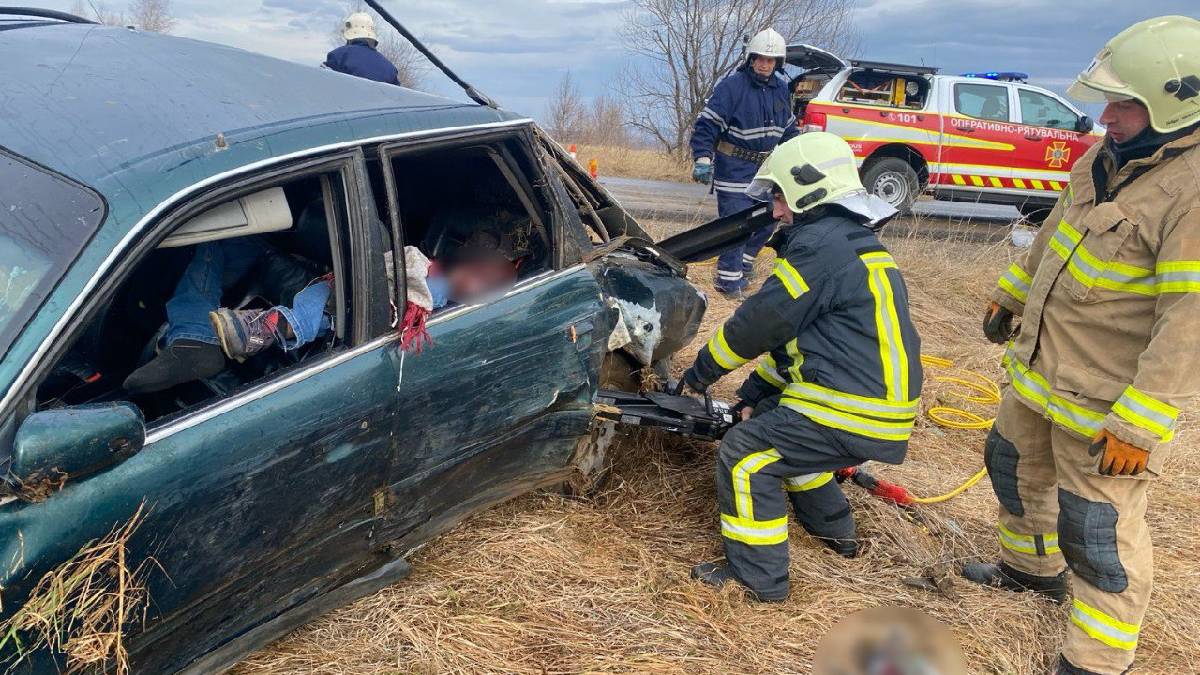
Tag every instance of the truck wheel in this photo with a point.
(1034, 213)
(894, 181)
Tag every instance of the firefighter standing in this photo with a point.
(840, 378)
(748, 114)
(1109, 300)
(358, 56)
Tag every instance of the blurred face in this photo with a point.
(780, 210)
(763, 65)
(1124, 119)
(472, 280)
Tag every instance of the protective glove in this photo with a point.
(691, 381)
(703, 170)
(997, 324)
(1120, 458)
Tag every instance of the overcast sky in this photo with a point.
(516, 50)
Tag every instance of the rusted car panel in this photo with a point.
(278, 498)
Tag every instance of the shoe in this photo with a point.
(716, 575)
(181, 361)
(735, 294)
(1065, 667)
(847, 548)
(1002, 576)
(244, 332)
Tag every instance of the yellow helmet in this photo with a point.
(1157, 62)
(817, 168)
(359, 25)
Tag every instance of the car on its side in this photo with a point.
(991, 138)
(292, 482)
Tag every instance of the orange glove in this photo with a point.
(1120, 458)
(997, 324)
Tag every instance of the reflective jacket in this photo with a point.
(1109, 296)
(832, 323)
(361, 60)
(751, 115)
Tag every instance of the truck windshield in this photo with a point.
(45, 221)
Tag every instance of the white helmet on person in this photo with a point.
(814, 169)
(1156, 62)
(767, 43)
(359, 26)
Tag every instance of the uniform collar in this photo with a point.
(1109, 174)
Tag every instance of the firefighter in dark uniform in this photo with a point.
(839, 380)
(748, 114)
(358, 57)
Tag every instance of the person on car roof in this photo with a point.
(359, 57)
(748, 114)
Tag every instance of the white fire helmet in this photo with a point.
(767, 43)
(359, 25)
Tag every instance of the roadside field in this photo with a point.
(549, 584)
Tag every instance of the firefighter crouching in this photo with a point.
(748, 114)
(840, 375)
(1109, 302)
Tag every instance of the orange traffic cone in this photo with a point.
(571, 151)
(593, 168)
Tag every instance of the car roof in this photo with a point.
(136, 116)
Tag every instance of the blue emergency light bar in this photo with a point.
(1002, 76)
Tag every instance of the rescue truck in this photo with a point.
(981, 137)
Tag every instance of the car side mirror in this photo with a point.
(76, 440)
(1084, 124)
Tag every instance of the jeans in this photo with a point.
(217, 266)
(736, 261)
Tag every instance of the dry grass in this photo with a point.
(82, 607)
(625, 162)
(546, 584)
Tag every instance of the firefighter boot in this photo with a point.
(1002, 576)
(1065, 667)
(715, 575)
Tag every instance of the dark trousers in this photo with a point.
(737, 261)
(778, 452)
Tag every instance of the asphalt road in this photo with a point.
(672, 207)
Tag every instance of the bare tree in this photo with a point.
(411, 66)
(566, 111)
(684, 47)
(152, 15)
(605, 123)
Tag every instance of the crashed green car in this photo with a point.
(293, 482)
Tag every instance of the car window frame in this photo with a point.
(494, 140)
(1073, 127)
(1008, 98)
(348, 163)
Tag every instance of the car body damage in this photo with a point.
(291, 482)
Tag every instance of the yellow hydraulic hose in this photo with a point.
(980, 389)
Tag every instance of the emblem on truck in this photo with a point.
(1058, 154)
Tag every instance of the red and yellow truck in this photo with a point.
(989, 137)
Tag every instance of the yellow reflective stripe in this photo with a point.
(977, 181)
(892, 353)
(1178, 276)
(863, 405)
(1017, 182)
(958, 180)
(1037, 184)
(1147, 413)
(1025, 543)
(856, 424)
(1090, 271)
(768, 372)
(995, 181)
(1102, 627)
(793, 351)
(751, 464)
(725, 357)
(792, 280)
(1033, 387)
(809, 481)
(1016, 282)
(754, 532)
(881, 258)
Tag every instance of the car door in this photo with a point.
(496, 405)
(1053, 142)
(256, 502)
(978, 137)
